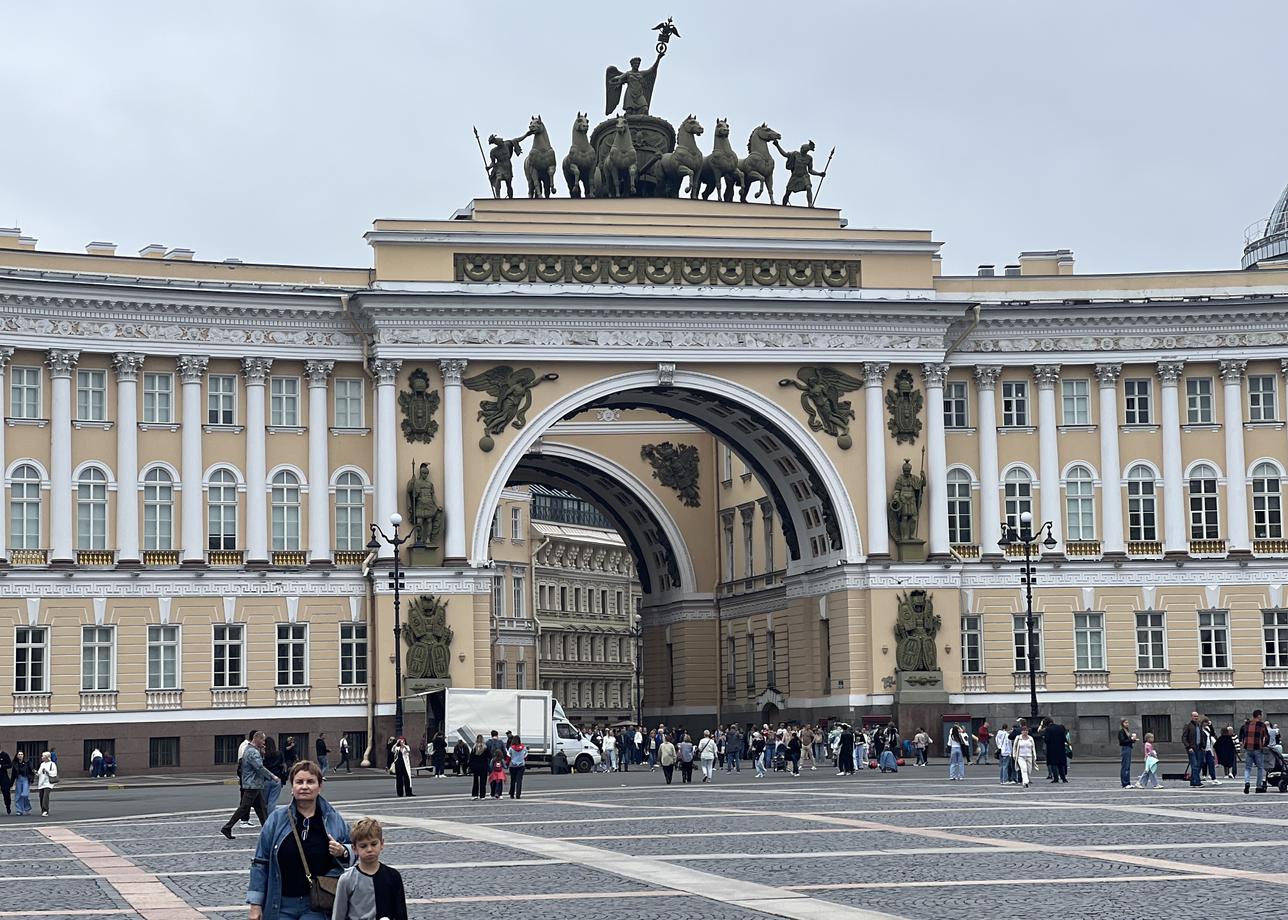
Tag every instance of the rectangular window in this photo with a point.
(751, 662)
(228, 655)
(1020, 633)
(163, 657)
(96, 657)
(1075, 399)
(221, 399)
(767, 519)
(353, 654)
(1274, 626)
(1136, 402)
(771, 659)
(959, 508)
(163, 752)
(955, 405)
(226, 748)
(496, 524)
(104, 746)
(972, 646)
(670, 674)
(520, 675)
(284, 402)
(24, 392)
(1151, 642)
(1080, 507)
(500, 675)
(728, 548)
(576, 600)
(825, 652)
(91, 396)
(1158, 726)
(517, 590)
(1214, 639)
(731, 664)
(348, 402)
(516, 523)
(1089, 641)
(1142, 521)
(498, 595)
(748, 547)
(1261, 398)
(618, 609)
(158, 398)
(30, 657)
(292, 654)
(726, 465)
(1205, 522)
(1015, 404)
(1198, 400)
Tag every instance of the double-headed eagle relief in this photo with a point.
(636, 154)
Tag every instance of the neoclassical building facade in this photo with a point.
(194, 452)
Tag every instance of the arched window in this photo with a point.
(24, 508)
(286, 511)
(1142, 508)
(91, 509)
(1267, 504)
(1205, 522)
(1019, 495)
(221, 511)
(158, 509)
(1080, 504)
(350, 507)
(959, 507)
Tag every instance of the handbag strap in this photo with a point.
(304, 860)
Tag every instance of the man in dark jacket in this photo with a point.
(845, 751)
(252, 774)
(1192, 738)
(322, 751)
(1255, 738)
(1056, 736)
(6, 780)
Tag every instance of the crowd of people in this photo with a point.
(18, 776)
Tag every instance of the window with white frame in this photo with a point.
(1151, 641)
(97, 646)
(284, 402)
(1137, 401)
(1261, 398)
(731, 664)
(1020, 635)
(498, 594)
(292, 654)
(353, 654)
(520, 675)
(1089, 641)
(767, 522)
(751, 661)
(24, 508)
(972, 645)
(348, 402)
(1080, 504)
(1267, 503)
(1204, 518)
(221, 511)
(748, 546)
(286, 510)
(496, 524)
(163, 657)
(726, 464)
(516, 523)
(24, 392)
(158, 398)
(1142, 504)
(1018, 491)
(517, 599)
(960, 514)
(955, 415)
(158, 509)
(1198, 400)
(771, 658)
(91, 509)
(91, 395)
(350, 512)
(1274, 630)
(1015, 403)
(500, 678)
(221, 399)
(31, 659)
(228, 656)
(1075, 400)
(1214, 640)
(727, 533)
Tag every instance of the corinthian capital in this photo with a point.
(61, 363)
(1169, 372)
(453, 369)
(255, 370)
(192, 368)
(1046, 376)
(1108, 374)
(318, 372)
(986, 375)
(127, 365)
(935, 375)
(1232, 371)
(874, 373)
(385, 370)
(6, 354)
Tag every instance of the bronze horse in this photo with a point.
(685, 160)
(579, 164)
(758, 164)
(721, 165)
(539, 164)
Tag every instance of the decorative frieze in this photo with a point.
(661, 270)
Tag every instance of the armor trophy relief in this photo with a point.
(636, 154)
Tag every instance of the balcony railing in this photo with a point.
(1082, 549)
(98, 701)
(165, 699)
(974, 683)
(353, 694)
(225, 558)
(1153, 679)
(965, 550)
(39, 702)
(1016, 550)
(160, 558)
(1145, 548)
(1207, 547)
(350, 558)
(227, 697)
(290, 558)
(1270, 547)
(516, 624)
(1022, 681)
(1216, 678)
(96, 558)
(1272, 677)
(293, 696)
(28, 557)
(1091, 680)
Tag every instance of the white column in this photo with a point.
(874, 454)
(1047, 376)
(255, 370)
(453, 461)
(192, 371)
(936, 458)
(127, 367)
(385, 372)
(61, 364)
(1236, 464)
(990, 514)
(318, 373)
(1175, 538)
(6, 354)
(1111, 492)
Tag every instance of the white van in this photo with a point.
(533, 715)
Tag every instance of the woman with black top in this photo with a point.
(22, 778)
(288, 752)
(479, 762)
(440, 755)
(279, 879)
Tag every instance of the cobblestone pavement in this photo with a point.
(815, 847)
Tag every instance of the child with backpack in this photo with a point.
(496, 776)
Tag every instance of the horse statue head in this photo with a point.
(581, 123)
(722, 127)
(536, 126)
(692, 126)
(764, 133)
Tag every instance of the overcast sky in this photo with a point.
(1144, 136)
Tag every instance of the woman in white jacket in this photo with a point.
(1025, 753)
(707, 754)
(46, 776)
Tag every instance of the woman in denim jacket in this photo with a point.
(279, 889)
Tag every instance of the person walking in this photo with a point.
(845, 752)
(439, 756)
(1255, 738)
(733, 750)
(46, 776)
(666, 756)
(518, 764)
(1192, 738)
(794, 748)
(1025, 752)
(6, 781)
(252, 776)
(319, 746)
(758, 753)
(344, 755)
(625, 749)
(686, 760)
(1209, 752)
(478, 762)
(983, 736)
(22, 777)
(1225, 752)
(808, 737)
(1057, 751)
(1126, 741)
(610, 750)
(274, 763)
(707, 750)
(1150, 775)
(921, 744)
(401, 767)
(957, 751)
(1004, 750)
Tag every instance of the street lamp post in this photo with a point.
(396, 585)
(1026, 536)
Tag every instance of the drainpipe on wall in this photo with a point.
(372, 660)
(715, 594)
